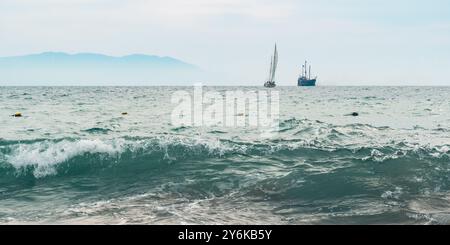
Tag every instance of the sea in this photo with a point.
(112, 155)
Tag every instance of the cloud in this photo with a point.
(166, 10)
(204, 8)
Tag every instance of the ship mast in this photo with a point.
(309, 72)
(306, 69)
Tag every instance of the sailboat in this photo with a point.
(273, 67)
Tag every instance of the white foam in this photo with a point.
(44, 156)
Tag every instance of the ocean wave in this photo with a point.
(97, 130)
(42, 158)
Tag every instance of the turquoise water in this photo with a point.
(73, 158)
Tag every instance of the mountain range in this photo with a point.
(58, 68)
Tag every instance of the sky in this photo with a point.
(348, 42)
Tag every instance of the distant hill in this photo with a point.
(57, 68)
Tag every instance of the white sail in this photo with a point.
(275, 64)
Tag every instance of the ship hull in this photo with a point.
(306, 82)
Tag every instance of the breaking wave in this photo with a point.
(43, 158)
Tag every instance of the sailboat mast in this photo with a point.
(270, 71)
(310, 72)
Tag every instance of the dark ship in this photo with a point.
(305, 79)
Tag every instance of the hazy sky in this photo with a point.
(375, 42)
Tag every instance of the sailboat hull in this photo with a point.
(270, 85)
